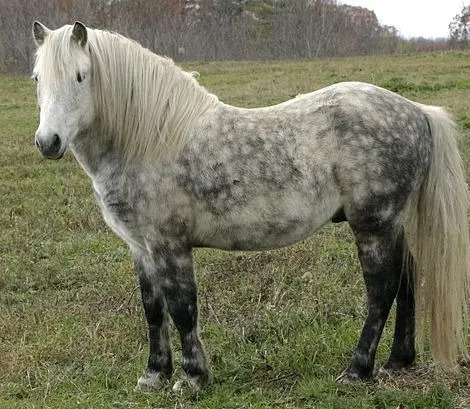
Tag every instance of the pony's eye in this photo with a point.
(80, 77)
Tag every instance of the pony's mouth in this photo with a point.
(54, 155)
(57, 156)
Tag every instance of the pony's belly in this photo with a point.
(252, 240)
(264, 231)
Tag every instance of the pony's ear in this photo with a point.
(79, 34)
(40, 32)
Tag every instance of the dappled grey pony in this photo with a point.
(174, 168)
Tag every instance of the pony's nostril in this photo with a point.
(38, 145)
(56, 142)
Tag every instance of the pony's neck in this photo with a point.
(143, 102)
(95, 154)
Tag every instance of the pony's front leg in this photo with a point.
(180, 291)
(181, 297)
(159, 367)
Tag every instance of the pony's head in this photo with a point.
(62, 72)
(93, 82)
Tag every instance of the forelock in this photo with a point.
(59, 58)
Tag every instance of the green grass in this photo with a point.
(278, 326)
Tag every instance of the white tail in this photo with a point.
(438, 232)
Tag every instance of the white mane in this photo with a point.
(144, 103)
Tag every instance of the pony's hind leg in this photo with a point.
(159, 367)
(380, 253)
(403, 351)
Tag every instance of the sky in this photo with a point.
(414, 18)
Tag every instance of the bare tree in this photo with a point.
(205, 29)
(459, 29)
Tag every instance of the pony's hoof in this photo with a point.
(385, 373)
(178, 386)
(389, 371)
(185, 384)
(151, 381)
(348, 378)
(196, 383)
(398, 365)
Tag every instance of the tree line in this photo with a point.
(212, 29)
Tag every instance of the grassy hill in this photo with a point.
(279, 326)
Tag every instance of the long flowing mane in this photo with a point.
(145, 104)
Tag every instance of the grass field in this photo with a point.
(279, 326)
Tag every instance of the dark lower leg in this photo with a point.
(403, 351)
(378, 256)
(160, 360)
(180, 291)
(361, 365)
(182, 304)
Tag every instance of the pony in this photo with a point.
(173, 168)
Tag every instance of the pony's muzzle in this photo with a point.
(50, 147)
